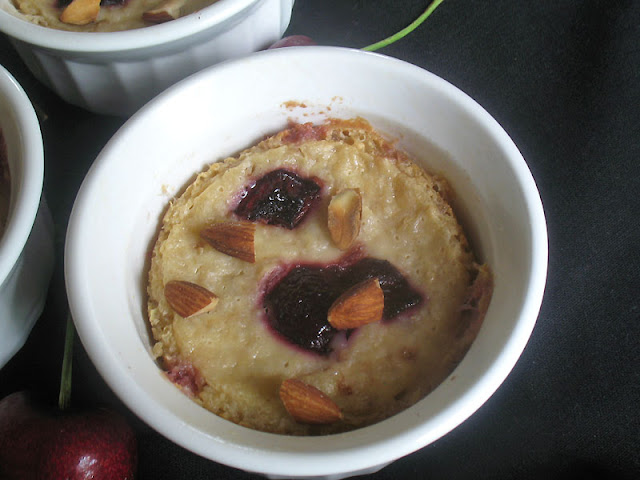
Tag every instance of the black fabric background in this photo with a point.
(563, 78)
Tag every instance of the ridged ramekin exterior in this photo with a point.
(27, 243)
(119, 82)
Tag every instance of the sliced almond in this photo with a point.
(361, 304)
(166, 11)
(156, 16)
(345, 215)
(307, 404)
(189, 299)
(232, 238)
(80, 12)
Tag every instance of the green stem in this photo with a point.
(64, 398)
(405, 31)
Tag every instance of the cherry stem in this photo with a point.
(64, 398)
(405, 31)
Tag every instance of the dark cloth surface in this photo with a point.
(563, 78)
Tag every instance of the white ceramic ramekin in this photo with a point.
(117, 72)
(26, 247)
(222, 110)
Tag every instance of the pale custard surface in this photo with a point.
(384, 367)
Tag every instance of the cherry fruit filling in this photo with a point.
(280, 198)
(103, 3)
(297, 305)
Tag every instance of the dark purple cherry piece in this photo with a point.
(103, 3)
(280, 198)
(297, 305)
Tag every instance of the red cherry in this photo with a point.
(21, 431)
(99, 445)
(64, 446)
(293, 41)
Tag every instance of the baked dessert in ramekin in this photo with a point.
(102, 15)
(316, 283)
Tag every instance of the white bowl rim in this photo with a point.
(272, 461)
(122, 41)
(23, 210)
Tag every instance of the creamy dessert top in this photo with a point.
(101, 15)
(316, 283)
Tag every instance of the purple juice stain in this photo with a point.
(280, 198)
(297, 305)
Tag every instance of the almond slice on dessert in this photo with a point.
(344, 217)
(361, 304)
(165, 12)
(80, 12)
(306, 404)
(232, 238)
(189, 299)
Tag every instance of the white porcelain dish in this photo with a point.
(26, 247)
(222, 110)
(117, 72)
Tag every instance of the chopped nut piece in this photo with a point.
(157, 16)
(345, 214)
(81, 12)
(189, 299)
(232, 238)
(166, 11)
(307, 404)
(360, 305)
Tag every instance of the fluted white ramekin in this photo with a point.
(118, 72)
(26, 246)
(219, 112)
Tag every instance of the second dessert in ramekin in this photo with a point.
(118, 72)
